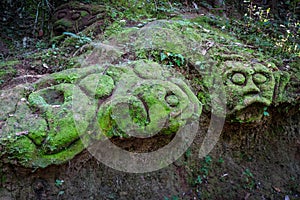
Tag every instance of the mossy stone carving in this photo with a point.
(75, 16)
(146, 101)
(252, 81)
(249, 89)
(50, 124)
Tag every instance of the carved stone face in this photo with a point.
(249, 88)
(134, 100)
(146, 101)
(74, 17)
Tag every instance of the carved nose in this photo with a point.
(251, 88)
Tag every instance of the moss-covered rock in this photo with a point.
(68, 109)
(75, 16)
(249, 89)
(195, 46)
(146, 101)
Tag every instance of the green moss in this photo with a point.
(63, 130)
(83, 13)
(56, 104)
(22, 149)
(9, 63)
(191, 39)
(282, 79)
(7, 70)
(39, 133)
(47, 141)
(150, 106)
(36, 100)
(65, 77)
(44, 160)
(108, 126)
(116, 72)
(98, 84)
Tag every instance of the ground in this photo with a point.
(250, 165)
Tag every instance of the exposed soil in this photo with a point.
(254, 161)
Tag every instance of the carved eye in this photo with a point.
(172, 100)
(75, 16)
(61, 14)
(238, 78)
(259, 78)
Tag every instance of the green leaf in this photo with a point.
(162, 56)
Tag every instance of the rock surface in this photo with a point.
(44, 126)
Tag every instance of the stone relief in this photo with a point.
(46, 127)
(249, 89)
(74, 17)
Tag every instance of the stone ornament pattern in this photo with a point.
(147, 100)
(249, 89)
(39, 130)
(84, 108)
(74, 17)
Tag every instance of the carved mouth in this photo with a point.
(249, 101)
(250, 112)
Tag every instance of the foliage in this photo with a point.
(204, 171)
(283, 34)
(137, 10)
(172, 59)
(58, 182)
(77, 40)
(249, 182)
(279, 40)
(174, 197)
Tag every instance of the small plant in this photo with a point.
(188, 153)
(221, 160)
(41, 45)
(172, 59)
(204, 171)
(58, 182)
(206, 166)
(172, 198)
(198, 180)
(266, 113)
(248, 179)
(80, 40)
(117, 25)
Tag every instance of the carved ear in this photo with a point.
(281, 80)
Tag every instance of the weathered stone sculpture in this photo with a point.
(249, 89)
(74, 17)
(139, 99)
(156, 97)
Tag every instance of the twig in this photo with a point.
(36, 18)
